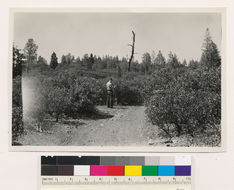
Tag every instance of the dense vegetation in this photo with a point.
(17, 112)
(181, 98)
(188, 98)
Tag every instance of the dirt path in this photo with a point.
(124, 126)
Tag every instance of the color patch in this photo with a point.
(49, 170)
(182, 170)
(66, 170)
(98, 170)
(183, 161)
(133, 170)
(149, 170)
(151, 161)
(167, 160)
(82, 170)
(115, 170)
(107, 160)
(136, 160)
(122, 160)
(166, 170)
(48, 160)
(76, 160)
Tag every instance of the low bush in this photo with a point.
(129, 89)
(160, 80)
(85, 94)
(191, 102)
(127, 93)
(65, 95)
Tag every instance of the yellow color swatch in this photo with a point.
(133, 170)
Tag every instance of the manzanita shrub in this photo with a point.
(190, 101)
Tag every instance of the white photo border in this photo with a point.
(123, 149)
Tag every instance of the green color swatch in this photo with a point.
(149, 170)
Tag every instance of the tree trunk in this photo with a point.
(133, 48)
(179, 129)
(57, 117)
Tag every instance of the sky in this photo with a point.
(110, 33)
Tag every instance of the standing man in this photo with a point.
(109, 87)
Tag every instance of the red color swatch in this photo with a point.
(115, 170)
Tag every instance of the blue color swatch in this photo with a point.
(166, 170)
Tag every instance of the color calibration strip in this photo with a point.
(115, 166)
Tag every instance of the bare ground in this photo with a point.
(120, 126)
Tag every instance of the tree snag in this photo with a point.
(133, 47)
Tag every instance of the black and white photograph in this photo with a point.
(135, 80)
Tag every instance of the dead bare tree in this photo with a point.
(133, 48)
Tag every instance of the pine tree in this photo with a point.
(63, 60)
(18, 60)
(119, 71)
(146, 62)
(173, 60)
(159, 60)
(90, 62)
(184, 62)
(54, 61)
(193, 64)
(41, 61)
(30, 52)
(210, 55)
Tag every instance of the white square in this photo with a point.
(82, 170)
(183, 160)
